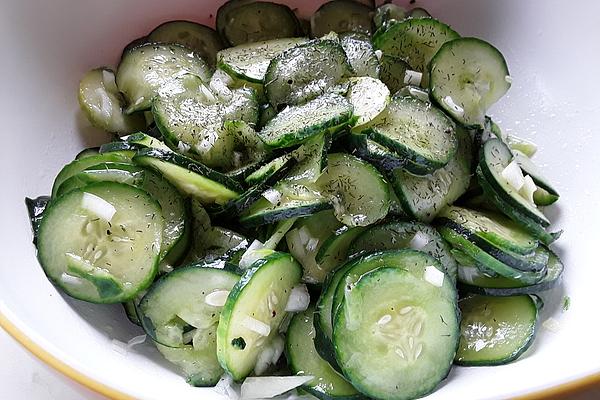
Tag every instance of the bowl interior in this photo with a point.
(553, 54)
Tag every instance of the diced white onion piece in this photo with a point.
(419, 241)
(71, 280)
(266, 387)
(551, 324)
(251, 254)
(216, 298)
(455, 107)
(188, 336)
(413, 77)
(269, 355)
(208, 94)
(273, 196)
(256, 326)
(298, 300)
(434, 276)
(226, 387)
(134, 341)
(98, 206)
(378, 54)
(183, 147)
(527, 190)
(119, 347)
(513, 175)
(508, 79)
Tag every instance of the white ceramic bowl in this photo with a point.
(553, 52)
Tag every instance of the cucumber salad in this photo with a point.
(320, 206)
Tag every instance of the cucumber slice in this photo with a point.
(495, 157)
(547, 194)
(459, 242)
(392, 71)
(369, 98)
(416, 131)
(181, 313)
(296, 124)
(76, 166)
(305, 239)
(360, 53)
(143, 140)
(190, 177)
(101, 243)
(401, 235)
(154, 69)
(295, 200)
(175, 238)
(423, 197)
(250, 61)
(90, 151)
(341, 16)
(303, 359)
(468, 75)
(312, 160)
(195, 118)
(304, 72)
(259, 21)
(197, 37)
(419, 12)
(359, 194)
(266, 113)
(253, 312)
(385, 159)
(387, 14)
(334, 250)
(415, 40)
(223, 13)
(415, 336)
(266, 171)
(474, 281)
(103, 104)
(495, 330)
(35, 209)
(131, 312)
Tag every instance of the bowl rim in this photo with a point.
(563, 389)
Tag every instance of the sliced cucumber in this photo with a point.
(303, 359)
(154, 69)
(295, 200)
(385, 159)
(369, 97)
(76, 166)
(419, 12)
(495, 330)
(131, 312)
(259, 21)
(388, 13)
(358, 192)
(341, 16)
(312, 160)
(195, 118)
(90, 151)
(545, 194)
(472, 280)
(401, 235)
(190, 177)
(267, 170)
(459, 242)
(296, 124)
(304, 72)
(416, 131)
(415, 335)
(175, 238)
(223, 13)
(468, 75)
(415, 40)
(253, 312)
(495, 157)
(181, 313)
(334, 251)
(392, 71)
(101, 243)
(423, 197)
(199, 38)
(250, 61)
(142, 140)
(103, 104)
(360, 53)
(35, 209)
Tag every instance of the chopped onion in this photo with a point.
(513, 175)
(216, 298)
(412, 77)
(298, 300)
(551, 324)
(134, 341)
(273, 196)
(378, 54)
(251, 254)
(256, 326)
(419, 241)
(508, 79)
(267, 387)
(527, 190)
(183, 147)
(98, 206)
(269, 355)
(434, 276)
(226, 387)
(455, 107)
(71, 280)
(119, 347)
